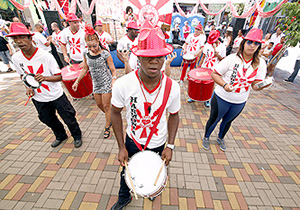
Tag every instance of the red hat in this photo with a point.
(255, 35)
(18, 29)
(213, 36)
(132, 25)
(199, 26)
(151, 42)
(98, 23)
(72, 17)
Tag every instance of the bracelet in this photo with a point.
(114, 77)
(224, 85)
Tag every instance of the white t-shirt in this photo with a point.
(266, 51)
(76, 41)
(194, 43)
(237, 41)
(104, 37)
(240, 74)
(43, 63)
(127, 92)
(210, 59)
(56, 37)
(276, 39)
(125, 43)
(40, 41)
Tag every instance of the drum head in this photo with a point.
(30, 81)
(144, 167)
(188, 56)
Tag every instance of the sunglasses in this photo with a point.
(249, 42)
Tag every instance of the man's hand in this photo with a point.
(29, 92)
(167, 154)
(171, 57)
(125, 55)
(123, 156)
(39, 77)
(67, 59)
(80, 65)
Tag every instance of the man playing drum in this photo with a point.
(193, 48)
(143, 94)
(49, 97)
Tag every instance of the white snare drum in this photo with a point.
(188, 58)
(30, 82)
(144, 167)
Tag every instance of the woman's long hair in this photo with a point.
(255, 61)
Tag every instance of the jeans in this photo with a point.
(5, 56)
(47, 115)
(124, 192)
(296, 69)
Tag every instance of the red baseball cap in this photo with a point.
(199, 27)
(72, 17)
(18, 29)
(213, 36)
(151, 42)
(98, 23)
(255, 35)
(132, 25)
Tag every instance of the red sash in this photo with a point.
(160, 113)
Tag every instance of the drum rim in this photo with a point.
(188, 59)
(27, 84)
(159, 190)
(189, 76)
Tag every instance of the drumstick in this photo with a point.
(162, 165)
(27, 100)
(131, 182)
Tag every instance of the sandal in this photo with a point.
(107, 131)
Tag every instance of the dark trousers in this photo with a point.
(47, 115)
(131, 147)
(296, 69)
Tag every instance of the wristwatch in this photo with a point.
(171, 146)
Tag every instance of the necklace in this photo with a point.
(141, 85)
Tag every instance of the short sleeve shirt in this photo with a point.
(40, 41)
(194, 43)
(76, 41)
(240, 74)
(237, 42)
(57, 39)
(210, 59)
(43, 63)
(104, 37)
(127, 92)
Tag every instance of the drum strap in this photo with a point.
(160, 113)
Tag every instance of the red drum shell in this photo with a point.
(201, 85)
(69, 76)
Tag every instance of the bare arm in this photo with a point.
(82, 73)
(117, 123)
(65, 52)
(41, 78)
(202, 60)
(9, 48)
(169, 60)
(124, 55)
(111, 66)
(218, 79)
(120, 56)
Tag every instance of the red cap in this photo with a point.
(98, 23)
(72, 17)
(151, 42)
(132, 25)
(213, 36)
(255, 35)
(199, 26)
(18, 29)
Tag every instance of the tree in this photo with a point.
(290, 25)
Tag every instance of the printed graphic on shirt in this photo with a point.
(210, 59)
(75, 45)
(193, 45)
(241, 81)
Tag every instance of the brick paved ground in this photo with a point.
(259, 170)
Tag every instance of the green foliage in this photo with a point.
(290, 24)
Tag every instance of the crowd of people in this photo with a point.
(150, 98)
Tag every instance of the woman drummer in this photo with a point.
(234, 76)
(100, 63)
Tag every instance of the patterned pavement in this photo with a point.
(259, 170)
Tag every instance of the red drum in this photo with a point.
(201, 85)
(188, 58)
(69, 76)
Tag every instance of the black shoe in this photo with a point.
(9, 70)
(57, 142)
(287, 80)
(151, 198)
(77, 143)
(118, 206)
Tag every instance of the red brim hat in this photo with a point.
(255, 35)
(152, 52)
(213, 36)
(98, 23)
(132, 25)
(18, 29)
(199, 27)
(72, 17)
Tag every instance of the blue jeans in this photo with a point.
(296, 69)
(5, 56)
(124, 192)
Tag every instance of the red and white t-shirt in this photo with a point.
(240, 74)
(194, 43)
(125, 43)
(40, 41)
(237, 41)
(210, 59)
(127, 92)
(56, 37)
(105, 37)
(41, 62)
(76, 41)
